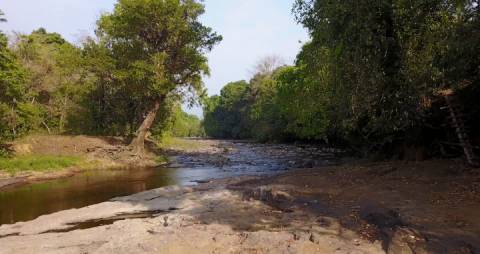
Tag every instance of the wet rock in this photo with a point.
(407, 241)
(201, 181)
(464, 248)
(268, 195)
(308, 164)
(301, 236)
(324, 222)
(381, 217)
(314, 238)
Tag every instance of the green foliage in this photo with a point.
(274, 105)
(374, 66)
(162, 160)
(4, 152)
(155, 53)
(186, 125)
(145, 51)
(225, 115)
(12, 89)
(37, 163)
(370, 77)
(57, 77)
(11, 75)
(305, 115)
(29, 117)
(266, 113)
(108, 108)
(210, 123)
(174, 122)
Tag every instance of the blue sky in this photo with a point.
(251, 29)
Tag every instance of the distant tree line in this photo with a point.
(147, 58)
(371, 78)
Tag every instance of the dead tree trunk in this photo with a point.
(138, 143)
(459, 125)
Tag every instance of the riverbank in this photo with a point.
(392, 207)
(39, 158)
(411, 207)
(208, 218)
(347, 209)
(191, 161)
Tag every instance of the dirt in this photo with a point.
(391, 207)
(114, 150)
(207, 218)
(104, 152)
(434, 202)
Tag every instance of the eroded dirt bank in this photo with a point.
(98, 153)
(396, 207)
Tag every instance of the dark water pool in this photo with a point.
(30, 201)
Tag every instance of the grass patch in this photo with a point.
(38, 163)
(162, 160)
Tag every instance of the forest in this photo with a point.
(365, 140)
(376, 77)
(109, 84)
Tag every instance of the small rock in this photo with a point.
(381, 217)
(165, 221)
(407, 241)
(152, 232)
(296, 237)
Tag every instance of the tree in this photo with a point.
(210, 116)
(369, 78)
(182, 124)
(268, 64)
(267, 121)
(376, 66)
(227, 115)
(57, 76)
(12, 88)
(159, 47)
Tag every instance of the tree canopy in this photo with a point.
(371, 77)
(147, 58)
(158, 48)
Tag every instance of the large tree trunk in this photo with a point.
(138, 143)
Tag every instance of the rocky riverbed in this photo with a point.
(192, 161)
(207, 218)
(255, 202)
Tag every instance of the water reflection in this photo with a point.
(30, 201)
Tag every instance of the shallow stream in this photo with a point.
(27, 202)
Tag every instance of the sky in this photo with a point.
(251, 30)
